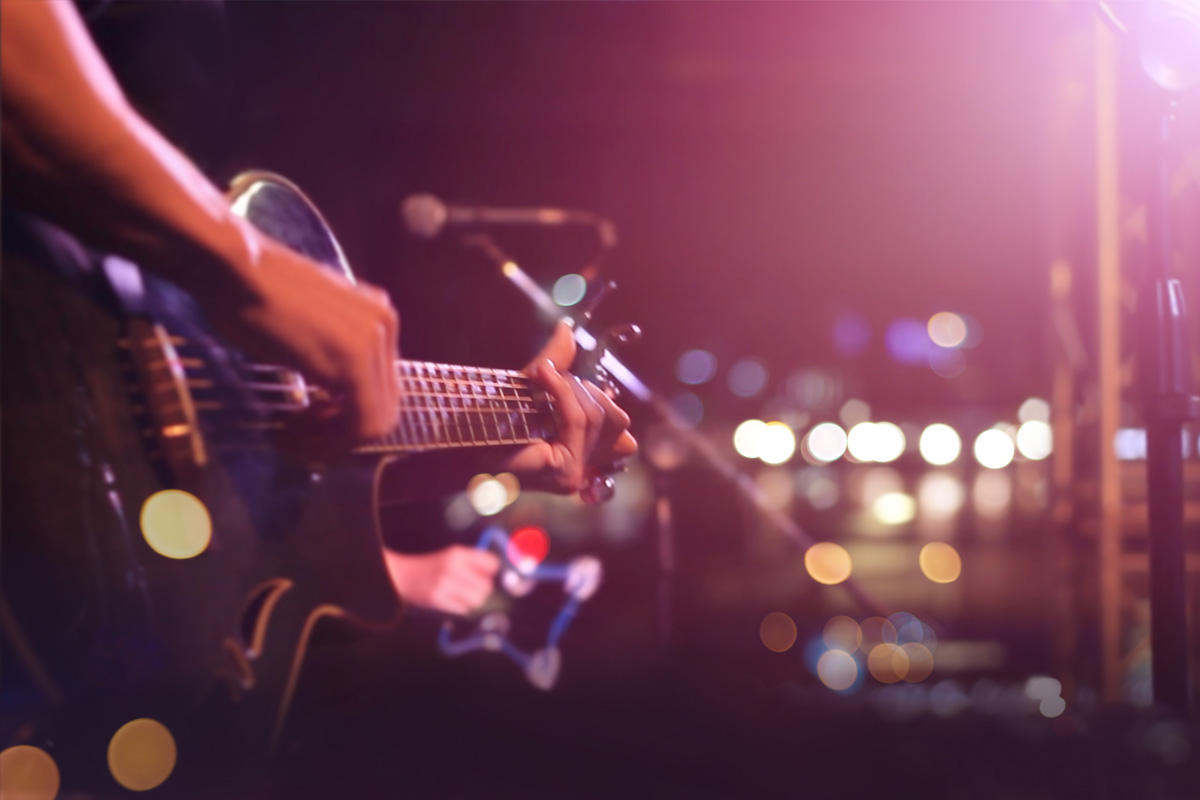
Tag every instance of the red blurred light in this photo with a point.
(528, 543)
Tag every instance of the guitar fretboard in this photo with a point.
(444, 406)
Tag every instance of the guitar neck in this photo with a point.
(447, 406)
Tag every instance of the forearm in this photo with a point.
(77, 153)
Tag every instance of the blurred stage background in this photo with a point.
(829, 213)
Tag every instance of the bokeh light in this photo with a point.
(920, 662)
(888, 442)
(908, 341)
(947, 363)
(141, 754)
(487, 495)
(176, 524)
(992, 495)
(894, 508)
(860, 442)
(827, 563)
(947, 329)
(842, 633)
(1052, 707)
(1035, 440)
(887, 662)
(695, 367)
(778, 443)
(994, 449)
(940, 496)
(1130, 444)
(939, 444)
(512, 487)
(819, 489)
(940, 562)
(569, 289)
(777, 631)
(775, 488)
(748, 438)
(854, 411)
(876, 631)
(1034, 409)
(747, 378)
(28, 773)
(837, 669)
(825, 442)
(528, 544)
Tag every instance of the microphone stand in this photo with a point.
(656, 402)
(1168, 401)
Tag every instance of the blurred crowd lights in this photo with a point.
(770, 442)
(896, 648)
(828, 563)
(489, 495)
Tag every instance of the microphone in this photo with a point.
(426, 216)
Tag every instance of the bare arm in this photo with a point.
(77, 153)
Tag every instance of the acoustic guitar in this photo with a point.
(115, 389)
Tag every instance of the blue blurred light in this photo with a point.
(908, 341)
(569, 289)
(747, 378)
(695, 367)
(689, 408)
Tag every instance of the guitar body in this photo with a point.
(99, 628)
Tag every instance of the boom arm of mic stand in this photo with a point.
(623, 375)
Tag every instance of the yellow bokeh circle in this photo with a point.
(940, 562)
(827, 563)
(176, 524)
(887, 663)
(141, 754)
(27, 773)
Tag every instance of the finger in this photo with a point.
(614, 422)
(593, 411)
(571, 419)
(560, 350)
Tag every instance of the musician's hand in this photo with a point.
(343, 337)
(456, 580)
(592, 429)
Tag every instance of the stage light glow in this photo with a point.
(176, 524)
(688, 408)
(940, 562)
(837, 669)
(487, 495)
(1130, 444)
(992, 494)
(826, 441)
(947, 363)
(1035, 440)
(994, 449)
(887, 663)
(947, 329)
(1052, 707)
(894, 508)
(854, 411)
(747, 378)
(974, 331)
(695, 367)
(842, 633)
(889, 442)
(569, 290)
(529, 543)
(1035, 408)
(827, 563)
(28, 773)
(851, 333)
(920, 662)
(748, 438)
(939, 444)
(940, 496)
(876, 631)
(778, 443)
(777, 631)
(141, 754)
(860, 442)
